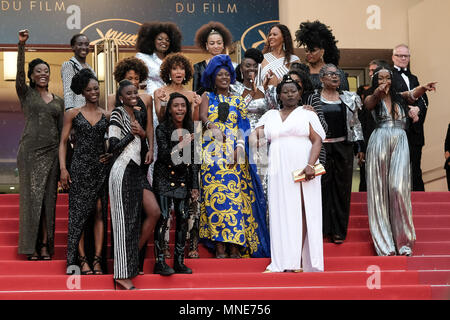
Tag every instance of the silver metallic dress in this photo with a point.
(256, 108)
(389, 185)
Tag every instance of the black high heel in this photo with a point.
(46, 257)
(97, 261)
(83, 262)
(121, 286)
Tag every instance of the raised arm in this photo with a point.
(416, 93)
(21, 86)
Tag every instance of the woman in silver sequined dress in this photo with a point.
(388, 168)
(256, 102)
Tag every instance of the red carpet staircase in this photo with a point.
(352, 271)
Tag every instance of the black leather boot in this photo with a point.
(161, 266)
(180, 238)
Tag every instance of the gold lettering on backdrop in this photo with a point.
(59, 6)
(211, 7)
(15, 5)
(179, 7)
(232, 8)
(260, 32)
(47, 6)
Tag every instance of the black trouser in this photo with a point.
(415, 155)
(337, 188)
(181, 207)
(362, 177)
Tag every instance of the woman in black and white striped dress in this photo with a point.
(128, 185)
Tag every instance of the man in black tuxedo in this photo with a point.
(404, 81)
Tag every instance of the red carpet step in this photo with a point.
(350, 268)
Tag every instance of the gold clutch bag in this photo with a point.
(299, 176)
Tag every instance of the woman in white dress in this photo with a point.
(295, 209)
(155, 41)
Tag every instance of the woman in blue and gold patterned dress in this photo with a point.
(233, 206)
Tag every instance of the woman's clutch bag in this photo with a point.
(299, 175)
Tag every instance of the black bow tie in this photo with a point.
(405, 72)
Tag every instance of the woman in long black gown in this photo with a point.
(86, 178)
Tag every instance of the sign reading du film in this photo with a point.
(54, 22)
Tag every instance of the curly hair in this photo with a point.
(81, 80)
(128, 64)
(202, 34)
(31, 67)
(318, 35)
(147, 34)
(254, 54)
(287, 41)
(176, 59)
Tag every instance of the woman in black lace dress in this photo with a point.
(86, 178)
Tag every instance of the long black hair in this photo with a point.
(187, 121)
(287, 40)
(395, 97)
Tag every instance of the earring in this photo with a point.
(284, 47)
(170, 78)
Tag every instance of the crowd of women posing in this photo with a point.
(256, 123)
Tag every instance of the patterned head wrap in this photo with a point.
(221, 61)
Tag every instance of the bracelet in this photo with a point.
(175, 150)
(411, 95)
(311, 166)
(248, 98)
(207, 123)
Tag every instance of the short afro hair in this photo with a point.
(81, 80)
(147, 34)
(175, 59)
(318, 35)
(202, 34)
(254, 54)
(73, 40)
(130, 63)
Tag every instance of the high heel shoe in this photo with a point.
(46, 256)
(121, 286)
(83, 262)
(97, 261)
